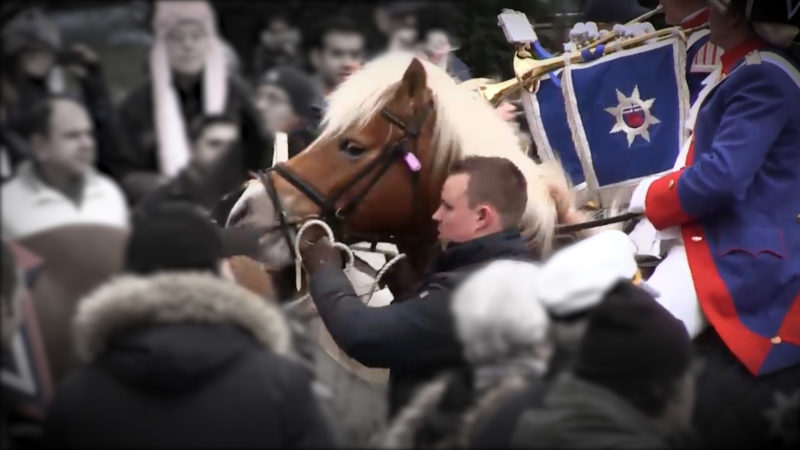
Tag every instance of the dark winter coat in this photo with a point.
(414, 336)
(137, 115)
(579, 414)
(448, 412)
(183, 360)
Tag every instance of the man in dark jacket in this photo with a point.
(180, 357)
(482, 203)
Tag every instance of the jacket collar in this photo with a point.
(170, 298)
(733, 56)
(505, 244)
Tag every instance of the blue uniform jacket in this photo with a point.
(738, 205)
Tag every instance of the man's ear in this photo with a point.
(486, 215)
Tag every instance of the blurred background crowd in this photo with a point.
(112, 111)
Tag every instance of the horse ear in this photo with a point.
(415, 79)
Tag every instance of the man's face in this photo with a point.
(275, 107)
(37, 61)
(342, 53)
(457, 221)
(403, 39)
(187, 46)
(69, 147)
(282, 36)
(215, 141)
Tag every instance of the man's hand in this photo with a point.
(88, 60)
(319, 254)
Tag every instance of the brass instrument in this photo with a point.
(529, 70)
(611, 36)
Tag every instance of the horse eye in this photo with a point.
(351, 149)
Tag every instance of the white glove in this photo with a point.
(583, 32)
(633, 30)
(636, 204)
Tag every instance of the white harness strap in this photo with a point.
(280, 152)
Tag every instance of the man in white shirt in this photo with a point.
(59, 186)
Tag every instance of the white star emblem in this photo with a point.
(633, 115)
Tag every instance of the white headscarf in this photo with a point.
(172, 141)
(503, 305)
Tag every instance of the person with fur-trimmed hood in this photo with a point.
(178, 356)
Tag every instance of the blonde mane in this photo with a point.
(465, 126)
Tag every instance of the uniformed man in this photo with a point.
(735, 208)
(702, 56)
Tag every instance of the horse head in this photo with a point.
(389, 136)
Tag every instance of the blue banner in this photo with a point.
(547, 119)
(626, 112)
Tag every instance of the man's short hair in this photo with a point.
(199, 125)
(498, 182)
(37, 117)
(335, 24)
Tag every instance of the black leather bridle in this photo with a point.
(404, 150)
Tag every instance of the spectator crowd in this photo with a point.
(122, 313)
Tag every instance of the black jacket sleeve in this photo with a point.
(413, 333)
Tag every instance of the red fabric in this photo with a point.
(732, 55)
(790, 329)
(662, 204)
(717, 304)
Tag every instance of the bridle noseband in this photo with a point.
(402, 150)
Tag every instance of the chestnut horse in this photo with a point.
(389, 136)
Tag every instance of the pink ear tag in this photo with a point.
(412, 162)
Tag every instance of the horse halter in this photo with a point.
(329, 212)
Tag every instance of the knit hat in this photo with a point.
(631, 336)
(173, 236)
(576, 278)
(30, 26)
(302, 92)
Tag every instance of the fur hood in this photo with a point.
(403, 431)
(128, 301)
